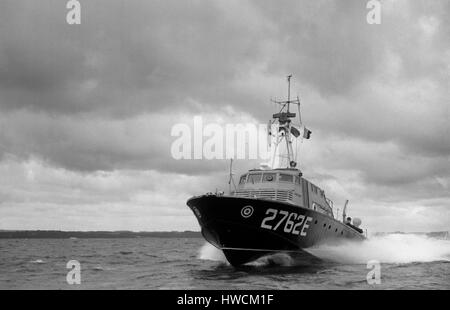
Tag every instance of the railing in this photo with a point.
(279, 195)
(330, 202)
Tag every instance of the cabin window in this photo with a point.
(254, 178)
(285, 177)
(269, 177)
(242, 180)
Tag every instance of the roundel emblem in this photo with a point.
(247, 211)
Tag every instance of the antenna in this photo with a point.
(289, 91)
(344, 213)
(231, 180)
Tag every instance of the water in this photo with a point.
(407, 262)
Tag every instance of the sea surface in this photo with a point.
(406, 262)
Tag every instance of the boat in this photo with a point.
(273, 208)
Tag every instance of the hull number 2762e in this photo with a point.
(295, 224)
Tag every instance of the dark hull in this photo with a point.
(246, 229)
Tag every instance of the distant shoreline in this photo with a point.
(56, 234)
(432, 234)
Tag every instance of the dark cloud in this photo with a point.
(190, 56)
(138, 57)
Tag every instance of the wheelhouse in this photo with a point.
(286, 185)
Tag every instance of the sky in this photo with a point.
(86, 110)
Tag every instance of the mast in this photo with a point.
(285, 128)
(289, 91)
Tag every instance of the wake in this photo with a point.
(394, 248)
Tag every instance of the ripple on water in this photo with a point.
(161, 263)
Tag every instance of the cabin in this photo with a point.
(285, 185)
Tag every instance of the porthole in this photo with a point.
(335, 230)
(329, 227)
(315, 222)
(324, 224)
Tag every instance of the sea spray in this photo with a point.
(210, 252)
(277, 259)
(393, 248)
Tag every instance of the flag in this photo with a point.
(295, 131)
(306, 133)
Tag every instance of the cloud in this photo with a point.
(115, 200)
(87, 143)
(138, 57)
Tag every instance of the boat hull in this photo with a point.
(246, 229)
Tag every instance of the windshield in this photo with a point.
(242, 180)
(285, 177)
(254, 178)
